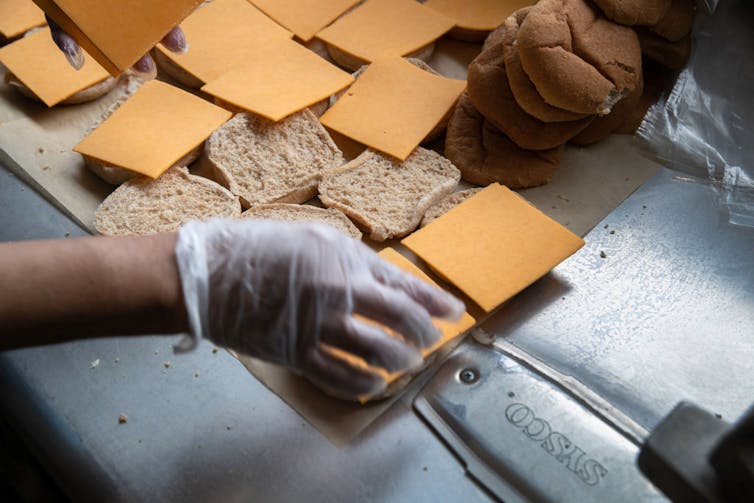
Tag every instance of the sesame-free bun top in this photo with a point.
(577, 59)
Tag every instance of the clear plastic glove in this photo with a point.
(276, 290)
(174, 41)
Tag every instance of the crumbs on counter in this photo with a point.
(167, 364)
(603, 254)
(214, 350)
(122, 419)
(94, 364)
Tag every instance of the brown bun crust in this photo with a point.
(485, 155)
(604, 126)
(678, 21)
(634, 12)
(578, 60)
(673, 55)
(523, 88)
(490, 92)
(657, 81)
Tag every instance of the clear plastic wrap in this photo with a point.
(704, 126)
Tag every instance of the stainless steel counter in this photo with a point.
(658, 306)
(665, 315)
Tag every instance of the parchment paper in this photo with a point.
(36, 142)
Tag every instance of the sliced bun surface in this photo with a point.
(387, 197)
(146, 206)
(446, 204)
(272, 162)
(304, 213)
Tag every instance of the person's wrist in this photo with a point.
(169, 294)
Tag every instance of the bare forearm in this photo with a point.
(53, 291)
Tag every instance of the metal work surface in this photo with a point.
(203, 429)
(526, 439)
(658, 307)
(665, 315)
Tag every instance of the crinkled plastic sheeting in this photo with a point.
(704, 127)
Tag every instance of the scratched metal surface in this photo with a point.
(526, 439)
(658, 306)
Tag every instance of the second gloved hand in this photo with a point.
(276, 290)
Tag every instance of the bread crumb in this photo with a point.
(67, 234)
(122, 419)
(612, 232)
(94, 364)
(41, 150)
(117, 360)
(156, 352)
(45, 167)
(603, 254)
(167, 364)
(606, 226)
(214, 350)
(196, 374)
(227, 428)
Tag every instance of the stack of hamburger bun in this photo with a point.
(556, 72)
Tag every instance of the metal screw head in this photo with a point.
(468, 376)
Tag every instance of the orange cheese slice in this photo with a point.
(493, 245)
(392, 106)
(278, 79)
(115, 32)
(18, 16)
(380, 28)
(482, 15)
(150, 132)
(37, 62)
(221, 35)
(449, 329)
(304, 17)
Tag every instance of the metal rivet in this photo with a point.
(468, 376)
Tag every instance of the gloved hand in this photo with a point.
(275, 290)
(174, 41)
